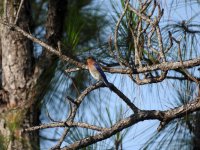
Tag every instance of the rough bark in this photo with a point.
(0, 69)
(17, 71)
(17, 57)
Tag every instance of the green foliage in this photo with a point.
(14, 120)
(3, 141)
(73, 27)
(82, 27)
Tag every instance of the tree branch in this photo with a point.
(124, 98)
(75, 107)
(43, 44)
(163, 66)
(18, 11)
(119, 57)
(135, 118)
(65, 124)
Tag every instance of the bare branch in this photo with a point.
(141, 15)
(73, 112)
(162, 66)
(152, 79)
(124, 98)
(180, 57)
(160, 43)
(72, 70)
(170, 42)
(46, 46)
(119, 57)
(135, 118)
(65, 124)
(18, 11)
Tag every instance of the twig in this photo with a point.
(166, 116)
(179, 112)
(62, 138)
(73, 112)
(145, 5)
(141, 15)
(124, 98)
(152, 80)
(46, 46)
(149, 41)
(110, 47)
(180, 57)
(170, 43)
(18, 11)
(65, 124)
(153, 9)
(137, 43)
(160, 43)
(48, 115)
(163, 66)
(71, 100)
(59, 47)
(120, 59)
(73, 83)
(72, 70)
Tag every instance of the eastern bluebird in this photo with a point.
(96, 71)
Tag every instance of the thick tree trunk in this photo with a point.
(17, 57)
(17, 72)
(18, 75)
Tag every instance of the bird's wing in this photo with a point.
(101, 72)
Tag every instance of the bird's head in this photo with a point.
(90, 60)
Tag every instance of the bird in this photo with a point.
(96, 71)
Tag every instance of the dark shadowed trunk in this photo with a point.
(54, 30)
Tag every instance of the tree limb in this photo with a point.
(135, 118)
(162, 66)
(43, 44)
(65, 124)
